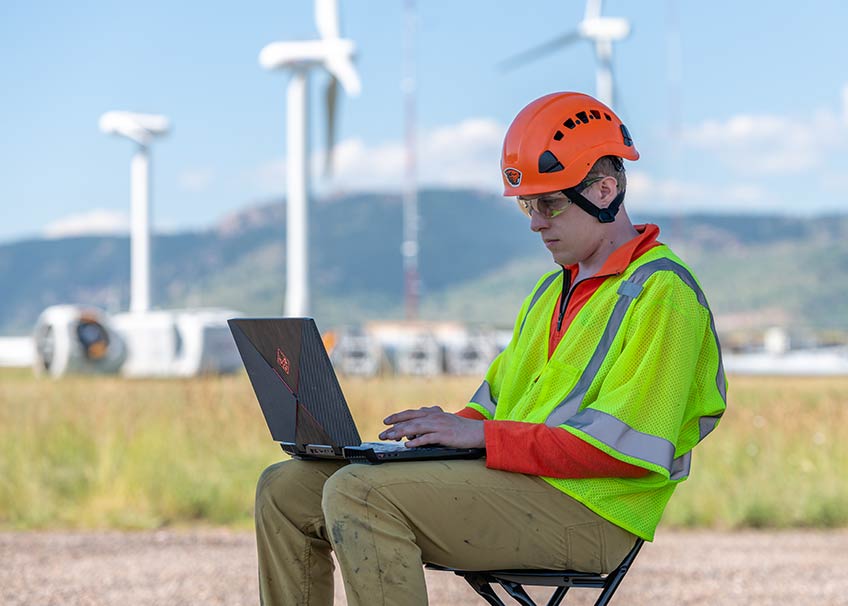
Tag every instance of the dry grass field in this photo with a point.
(106, 452)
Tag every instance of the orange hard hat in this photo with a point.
(553, 143)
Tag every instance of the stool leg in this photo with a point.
(517, 592)
(480, 584)
(557, 596)
(615, 577)
(606, 594)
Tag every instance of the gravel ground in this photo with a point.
(219, 567)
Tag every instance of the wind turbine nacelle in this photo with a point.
(605, 28)
(336, 55)
(141, 128)
(281, 55)
(76, 339)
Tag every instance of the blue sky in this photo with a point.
(761, 117)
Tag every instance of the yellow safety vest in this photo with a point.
(638, 375)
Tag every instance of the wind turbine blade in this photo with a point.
(332, 94)
(539, 51)
(604, 76)
(341, 67)
(614, 94)
(617, 97)
(327, 18)
(603, 52)
(593, 9)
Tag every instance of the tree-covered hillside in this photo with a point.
(478, 259)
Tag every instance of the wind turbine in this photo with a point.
(335, 55)
(602, 31)
(140, 128)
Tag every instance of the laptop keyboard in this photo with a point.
(384, 446)
(392, 446)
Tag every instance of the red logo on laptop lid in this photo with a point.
(283, 361)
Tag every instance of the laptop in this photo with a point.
(302, 401)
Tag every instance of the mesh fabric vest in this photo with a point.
(638, 375)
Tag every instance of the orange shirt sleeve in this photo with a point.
(470, 413)
(539, 450)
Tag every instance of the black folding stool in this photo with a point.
(563, 580)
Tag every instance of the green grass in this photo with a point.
(777, 459)
(106, 452)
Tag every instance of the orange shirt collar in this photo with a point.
(625, 254)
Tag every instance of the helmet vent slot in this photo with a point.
(558, 135)
(583, 117)
(548, 163)
(628, 140)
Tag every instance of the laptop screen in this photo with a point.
(294, 381)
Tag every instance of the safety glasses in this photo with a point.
(548, 205)
(553, 204)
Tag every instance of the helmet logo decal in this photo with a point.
(513, 176)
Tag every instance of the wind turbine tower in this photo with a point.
(140, 128)
(141, 342)
(334, 55)
(599, 30)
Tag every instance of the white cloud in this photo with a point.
(196, 180)
(359, 167)
(774, 145)
(460, 155)
(94, 222)
(464, 155)
(646, 194)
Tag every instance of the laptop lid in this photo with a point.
(294, 381)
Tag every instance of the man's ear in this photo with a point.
(608, 188)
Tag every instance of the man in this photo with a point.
(589, 416)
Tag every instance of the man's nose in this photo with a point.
(538, 222)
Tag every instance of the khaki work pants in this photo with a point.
(384, 521)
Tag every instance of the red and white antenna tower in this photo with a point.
(409, 248)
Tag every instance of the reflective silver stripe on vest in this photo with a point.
(539, 292)
(680, 466)
(628, 290)
(706, 425)
(619, 435)
(571, 404)
(483, 397)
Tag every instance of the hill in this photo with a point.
(478, 260)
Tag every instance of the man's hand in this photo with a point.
(431, 425)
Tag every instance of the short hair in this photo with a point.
(609, 166)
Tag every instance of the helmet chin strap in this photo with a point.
(603, 215)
